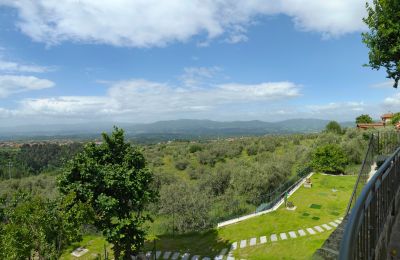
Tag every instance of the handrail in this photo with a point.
(368, 216)
(370, 149)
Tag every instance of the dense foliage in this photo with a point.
(383, 39)
(333, 127)
(395, 119)
(113, 180)
(329, 158)
(35, 228)
(32, 159)
(364, 119)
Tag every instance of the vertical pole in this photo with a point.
(173, 222)
(154, 253)
(9, 169)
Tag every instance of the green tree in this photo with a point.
(113, 179)
(363, 119)
(329, 158)
(36, 228)
(395, 119)
(187, 207)
(383, 39)
(333, 127)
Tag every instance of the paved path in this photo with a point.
(272, 238)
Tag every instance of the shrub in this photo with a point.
(333, 127)
(195, 148)
(181, 165)
(329, 158)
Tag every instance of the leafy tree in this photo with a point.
(188, 207)
(363, 119)
(333, 127)
(329, 158)
(383, 40)
(395, 119)
(113, 179)
(194, 148)
(36, 228)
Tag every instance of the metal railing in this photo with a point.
(365, 170)
(380, 144)
(374, 205)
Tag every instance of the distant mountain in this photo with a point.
(167, 130)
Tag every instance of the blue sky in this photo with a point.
(144, 61)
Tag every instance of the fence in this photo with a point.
(373, 199)
(367, 221)
(271, 199)
(380, 144)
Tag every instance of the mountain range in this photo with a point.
(168, 130)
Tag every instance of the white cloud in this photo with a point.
(392, 102)
(11, 67)
(197, 76)
(10, 84)
(337, 108)
(385, 84)
(147, 23)
(141, 99)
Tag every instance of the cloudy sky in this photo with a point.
(146, 60)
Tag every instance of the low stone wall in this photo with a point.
(275, 207)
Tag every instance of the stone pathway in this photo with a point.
(228, 252)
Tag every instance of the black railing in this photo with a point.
(381, 144)
(367, 219)
(365, 170)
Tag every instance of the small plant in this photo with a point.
(289, 204)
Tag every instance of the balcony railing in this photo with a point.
(370, 212)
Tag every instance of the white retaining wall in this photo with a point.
(275, 207)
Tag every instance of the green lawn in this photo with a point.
(95, 244)
(315, 206)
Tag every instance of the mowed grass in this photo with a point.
(299, 248)
(323, 203)
(95, 244)
(316, 205)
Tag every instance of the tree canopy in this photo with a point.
(329, 158)
(333, 127)
(395, 119)
(113, 179)
(364, 119)
(383, 39)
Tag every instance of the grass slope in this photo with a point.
(315, 206)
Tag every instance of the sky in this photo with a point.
(142, 61)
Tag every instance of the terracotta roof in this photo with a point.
(388, 115)
(370, 125)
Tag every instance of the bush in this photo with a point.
(195, 148)
(333, 127)
(362, 119)
(329, 158)
(181, 165)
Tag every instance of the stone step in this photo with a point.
(311, 231)
(302, 232)
(319, 229)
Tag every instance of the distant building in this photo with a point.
(370, 125)
(386, 118)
